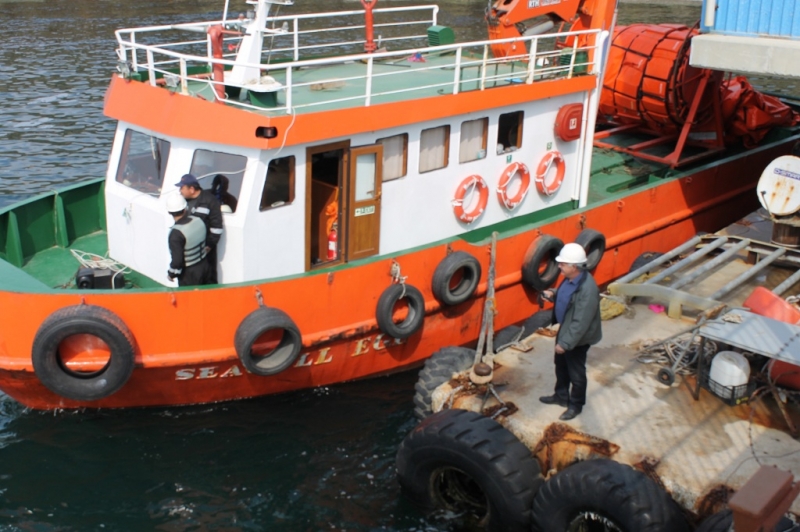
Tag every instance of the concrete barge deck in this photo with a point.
(700, 451)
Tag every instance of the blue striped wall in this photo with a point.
(770, 18)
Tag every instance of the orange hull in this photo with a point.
(184, 340)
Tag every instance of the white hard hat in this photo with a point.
(572, 253)
(175, 203)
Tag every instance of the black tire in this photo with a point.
(594, 243)
(463, 461)
(540, 319)
(544, 248)
(644, 258)
(385, 310)
(506, 335)
(267, 320)
(439, 369)
(722, 522)
(608, 490)
(666, 376)
(456, 262)
(78, 320)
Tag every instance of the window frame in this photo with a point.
(405, 156)
(484, 139)
(446, 161)
(292, 180)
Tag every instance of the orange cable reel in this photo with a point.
(476, 183)
(545, 187)
(514, 169)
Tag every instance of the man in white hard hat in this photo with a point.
(187, 245)
(577, 309)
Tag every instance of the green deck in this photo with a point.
(344, 85)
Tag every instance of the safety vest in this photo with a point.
(195, 234)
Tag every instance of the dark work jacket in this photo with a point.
(582, 320)
(206, 207)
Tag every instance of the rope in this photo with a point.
(668, 354)
(96, 262)
(397, 277)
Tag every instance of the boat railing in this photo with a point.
(380, 76)
(287, 36)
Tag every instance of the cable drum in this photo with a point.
(649, 80)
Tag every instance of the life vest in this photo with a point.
(194, 231)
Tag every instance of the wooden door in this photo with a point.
(364, 205)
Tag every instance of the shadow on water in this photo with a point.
(315, 460)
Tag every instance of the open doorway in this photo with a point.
(344, 203)
(325, 178)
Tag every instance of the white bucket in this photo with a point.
(730, 369)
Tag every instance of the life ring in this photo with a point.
(477, 182)
(465, 462)
(267, 341)
(502, 188)
(384, 312)
(594, 243)
(439, 369)
(542, 185)
(83, 352)
(456, 278)
(607, 491)
(539, 268)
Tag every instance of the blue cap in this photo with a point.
(187, 179)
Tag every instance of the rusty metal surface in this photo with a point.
(561, 445)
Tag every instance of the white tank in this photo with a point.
(728, 369)
(779, 186)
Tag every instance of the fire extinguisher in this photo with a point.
(332, 243)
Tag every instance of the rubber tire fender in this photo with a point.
(612, 490)
(722, 522)
(256, 324)
(594, 243)
(443, 276)
(83, 319)
(385, 308)
(544, 247)
(644, 258)
(439, 369)
(542, 318)
(483, 450)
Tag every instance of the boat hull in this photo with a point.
(184, 339)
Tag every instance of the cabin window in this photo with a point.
(473, 140)
(279, 186)
(216, 170)
(509, 132)
(434, 146)
(143, 162)
(395, 156)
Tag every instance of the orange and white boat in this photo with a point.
(372, 156)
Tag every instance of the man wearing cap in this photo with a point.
(204, 205)
(577, 309)
(187, 245)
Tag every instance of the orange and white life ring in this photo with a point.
(548, 188)
(505, 180)
(476, 182)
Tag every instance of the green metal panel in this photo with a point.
(13, 245)
(82, 211)
(36, 222)
(61, 225)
